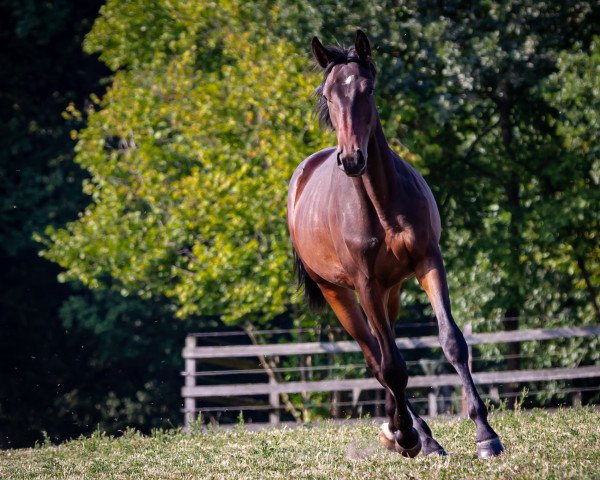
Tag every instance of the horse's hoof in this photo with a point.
(386, 437)
(409, 452)
(489, 448)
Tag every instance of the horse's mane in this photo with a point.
(341, 55)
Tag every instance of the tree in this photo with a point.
(574, 211)
(71, 360)
(189, 153)
(190, 150)
(463, 88)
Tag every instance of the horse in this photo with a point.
(362, 221)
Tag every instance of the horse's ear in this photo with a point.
(321, 54)
(362, 46)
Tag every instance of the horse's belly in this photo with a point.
(317, 250)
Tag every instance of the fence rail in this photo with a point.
(422, 381)
(192, 353)
(311, 348)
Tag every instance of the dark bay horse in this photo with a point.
(362, 221)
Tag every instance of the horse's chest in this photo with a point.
(370, 250)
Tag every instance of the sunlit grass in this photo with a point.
(562, 444)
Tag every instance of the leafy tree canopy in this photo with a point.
(191, 148)
(190, 152)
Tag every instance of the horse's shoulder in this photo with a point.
(405, 167)
(305, 170)
(309, 164)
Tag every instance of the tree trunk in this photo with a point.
(513, 197)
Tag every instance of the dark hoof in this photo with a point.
(412, 451)
(388, 440)
(489, 448)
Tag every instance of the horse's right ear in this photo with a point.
(321, 54)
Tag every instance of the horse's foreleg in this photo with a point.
(430, 445)
(432, 276)
(392, 366)
(346, 309)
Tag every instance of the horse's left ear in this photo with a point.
(362, 46)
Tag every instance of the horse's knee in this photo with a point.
(454, 345)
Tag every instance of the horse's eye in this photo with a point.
(371, 90)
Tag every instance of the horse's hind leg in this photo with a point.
(432, 276)
(430, 445)
(346, 309)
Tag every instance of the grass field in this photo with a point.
(562, 444)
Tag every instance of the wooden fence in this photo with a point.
(193, 353)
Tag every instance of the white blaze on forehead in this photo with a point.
(348, 80)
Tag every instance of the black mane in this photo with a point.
(341, 55)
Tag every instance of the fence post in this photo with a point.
(274, 402)
(467, 330)
(378, 410)
(432, 401)
(495, 394)
(189, 405)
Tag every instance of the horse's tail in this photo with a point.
(312, 292)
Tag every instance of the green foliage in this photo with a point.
(40, 185)
(190, 162)
(573, 214)
(208, 114)
(130, 355)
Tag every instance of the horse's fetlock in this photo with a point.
(477, 411)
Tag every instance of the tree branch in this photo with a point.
(270, 367)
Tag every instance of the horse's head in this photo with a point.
(346, 100)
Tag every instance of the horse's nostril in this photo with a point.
(339, 158)
(360, 158)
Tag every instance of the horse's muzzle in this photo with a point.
(352, 165)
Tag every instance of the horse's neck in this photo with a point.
(381, 177)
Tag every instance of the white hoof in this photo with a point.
(385, 429)
(386, 437)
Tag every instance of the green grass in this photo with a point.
(563, 444)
